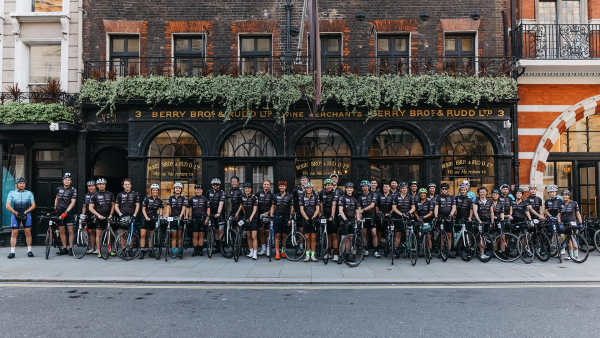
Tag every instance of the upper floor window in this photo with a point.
(255, 54)
(125, 54)
(331, 52)
(392, 53)
(46, 5)
(189, 54)
(559, 12)
(44, 64)
(460, 52)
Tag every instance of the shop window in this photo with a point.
(255, 54)
(44, 64)
(248, 143)
(13, 167)
(467, 154)
(321, 153)
(392, 53)
(391, 154)
(459, 53)
(189, 54)
(582, 137)
(46, 5)
(174, 156)
(331, 53)
(559, 174)
(125, 54)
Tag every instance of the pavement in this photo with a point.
(204, 270)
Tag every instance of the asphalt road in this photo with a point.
(28, 310)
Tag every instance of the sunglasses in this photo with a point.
(444, 188)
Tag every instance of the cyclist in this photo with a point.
(309, 208)
(414, 188)
(504, 193)
(497, 207)
(282, 210)
(536, 206)
(367, 209)
(519, 208)
(216, 200)
(176, 207)
(265, 202)
(127, 202)
(374, 190)
(464, 206)
(102, 205)
(470, 194)
(89, 220)
(394, 186)
(249, 208)
(335, 178)
(200, 207)
(297, 195)
(329, 199)
(553, 205)
(445, 208)
(152, 209)
(431, 193)
(235, 195)
(66, 197)
(348, 209)
(20, 203)
(386, 201)
(423, 209)
(403, 207)
(484, 213)
(569, 212)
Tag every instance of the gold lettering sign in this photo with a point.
(474, 167)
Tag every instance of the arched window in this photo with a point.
(174, 156)
(395, 143)
(321, 153)
(467, 154)
(248, 143)
(582, 137)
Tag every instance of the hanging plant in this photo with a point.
(11, 112)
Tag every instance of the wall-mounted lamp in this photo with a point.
(360, 16)
(475, 15)
(424, 16)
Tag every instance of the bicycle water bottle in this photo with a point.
(456, 234)
(435, 234)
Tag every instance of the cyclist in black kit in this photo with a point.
(348, 209)
(403, 207)
(127, 203)
(483, 212)
(309, 208)
(235, 195)
(554, 204)
(464, 206)
(249, 208)
(297, 194)
(66, 197)
(536, 206)
(497, 207)
(200, 207)
(102, 205)
(329, 199)
(89, 219)
(386, 201)
(265, 202)
(367, 209)
(335, 179)
(431, 191)
(394, 187)
(520, 208)
(445, 208)
(176, 205)
(152, 209)
(423, 208)
(282, 211)
(414, 190)
(216, 200)
(569, 212)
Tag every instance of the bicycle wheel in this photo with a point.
(167, 244)
(210, 238)
(584, 250)
(292, 246)
(80, 243)
(467, 249)
(227, 246)
(391, 245)
(107, 243)
(444, 250)
(352, 250)
(48, 241)
(185, 241)
(597, 240)
(485, 247)
(412, 248)
(542, 247)
(526, 249)
(325, 249)
(511, 252)
(426, 249)
(156, 244)
(237, 247)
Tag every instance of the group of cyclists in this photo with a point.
(396, 202)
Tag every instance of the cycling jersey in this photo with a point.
(429, 197)
(310, 204)
(21, 201)
(283, 204)
(248, 202)
(386, 202)
(64, 197)
(519, 209)
(102, 202)
(483, 209)
(338, 190)
(214, 198)
(235, 196)
(506, 202)
(297, 194)
(423, 208)
(535, 203)
(404, 204)
(176, 204)
(86, 201)
(568, 212)
(444, 203)
(553, 206)
(349, 205)
(199, 205)
(327, 198)
(416, 197)
(464, 204)
(152, 205)
(265, 201)
(364, 201)
(127, 202)
(377, 195)
(498, 209)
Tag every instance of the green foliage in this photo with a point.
(277, 94)
(11, 112)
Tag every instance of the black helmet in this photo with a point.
(403, 184)
(519, 190)
(22, 179)
(92, 182)
(496, 191)
(247, 185)
(198, 186)
(482, 188)
(234, 177)
(349, 185)
(445, 185)
(66, 175)
(393, 180)
(414, 183)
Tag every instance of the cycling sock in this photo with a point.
(335, 251)
(174, 250)
(312, 253)
(200, 248)
(307, 253)
(570, 252)
(12, 250)
(28, 249)
(264, 247)
(277, 251)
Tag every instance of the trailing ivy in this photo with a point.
(277, 94)
(11, 112)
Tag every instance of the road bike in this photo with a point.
(323, 241)
(387, 240)
(156, 239)
(351, 248)
(440, 238)
(268, 221)
(425, 240)
(577, 241)
(526, 247)
(210, 238)
(485, 241)
(52, 234)
(464, 241)
(186, 242)
(541, 242)
(128, 241)
(241, 241)
(510, 241)
(292, 243)
(228, 239)
(107, 240)
(411, 245)
(81, 242)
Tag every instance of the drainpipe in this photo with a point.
(515, 125)
(80, 47)
(513, 25)
(288, 50)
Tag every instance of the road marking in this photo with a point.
(296, 287)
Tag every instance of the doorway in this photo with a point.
(254, 173)
(588, 188)
(111, 164)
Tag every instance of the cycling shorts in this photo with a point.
(333, 226)
(280, 225)
(253, 225)
(101, 224)
(347, 226)
(64, 221)
(149, 225)
(310, 227)
(176, 225)
(198, 224)
(369, 224)
(90, 222)
(15, 222)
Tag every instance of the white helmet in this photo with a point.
(552, 188)
(154, 186)
(215, 181)
(101, 180)
(178, 185)
(308, 185)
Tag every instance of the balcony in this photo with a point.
(558, 42)
(38, 97)
(383, 65)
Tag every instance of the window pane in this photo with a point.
(569, 13)
(118, 45)
(450, 44)
(563, 174)
(181, 45)
(197, 45)
(467, 44)
(383, 45)
(333, 45)
(47, 5)
(44, 63)
(248, 45)
(400, 45)
(133, 45)
(247, 66)
(547, 12)
(248, 143)
(264, 45)
(48, 155)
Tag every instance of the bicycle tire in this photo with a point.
(131, 251)
(527, 249)
(583, 245)
(542, 247)
(48, 241)
(156, 244)
(467, 253)
(80, 243)
(444, 249)
(167, 244)
(107, 241)
(324, 249)
(511, 245)
(597, 240)
(185, 243)
(558, 245)
(211, 242)
(318, 243)
(291, 249)
(485, 242)
(228, 248)
(355, 254)
(237, 247)
(426, 249)
(412, 247)
(392, 245)
(270, 245)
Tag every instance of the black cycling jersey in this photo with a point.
(310, 204)
(176, 204)
(64, 197)
(86, 201)
(214, 198)
(553, 206)
(235, 200)
(429, 197)
(349, 205)
(498, 209)
(297, 194)
(416, 197)
(483, 208)
(327, 198)
(152, 205)
(102, 202)
(248, 202)
(568, 212)
(199, 205)
(364, 201)
(404, 204)
(463, 207)
(519, 209)
(506, 202)
(535, 203)
(283, 204)
(265, 201)
(444, 203)
(339, 191)
(423, 208)
(386, 203)
(127, 201)
(377, 196)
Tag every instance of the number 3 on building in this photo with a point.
(138, 114)
(500, 113)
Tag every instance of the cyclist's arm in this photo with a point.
(317, 211)
(272, 211)
(144, 212)
(291, 212)
(9, 208)
(470, 214)
(94, 211)
(435, 211)
(83, 209)
(558, 216)
(453, 212)
(394, 210)
(112, 209)
(426, 216)
(117, 208)
(31, 207)
(511, 212)
(302, 212)
(137, 208)
(579, 217)
(370, 207)
(528, 215)
(357, 214)
(56, 202)
(221, 204)
(474, 213)
(168, 213)
(237, 213)
(72, 205)
(341, 212)
(501, 216)
(254, 210)
(412, 209)
(183, 212)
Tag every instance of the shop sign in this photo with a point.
(321, 168)
(466, 166)
(167, 168)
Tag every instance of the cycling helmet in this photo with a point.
(422, 190)
(334, 174)
(22, 179)
(467, 183)
(393, 180)
(566, 192)
(519, 190)
(66, 175)
(363, 183)
(496, 191)
(198, 186)
(178, 185)
(505, 186)
(234, 177)
(91, 183)
(349, 185)
(215, 181)
(445, 185)
(432, 185)
(308, 185)
(154, 186)
(463, 186)
(533, 186)
(101, 181)
(402, 185)
(327, 181)
(247, 185)
(414, 183)
(304, 176)
(552, 188)
(282, 183)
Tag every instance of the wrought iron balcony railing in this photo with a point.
(558, 41)
(38, 97)
(206, 66)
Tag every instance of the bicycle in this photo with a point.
(577, 241)
(425, 240)
(355, 251)
(228, 239)
(485, 242)
(156, 238)
(526, 247)
(511, 243)
(185, 241)
(167, 237)
(323, 241)
(387, 241)
(210, 238)
(241, 241)
(292, 243)
(464, 241)
(411, 245)
(128, 240)
(270, 233)
(541, 242)
(590, 228)
(551, 226)
(441, 239)
(81, 242)
(107, 240)
(52, 234)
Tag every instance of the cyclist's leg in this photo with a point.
(71, 230)
(61, 229)
(27, 224)
(278, 229)
(300, 228)
(398, 229)
(14, 224)
(219, 229)
(332, 232)
(254, 236)
(374, 235)
(261, 235)
(91, 226)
